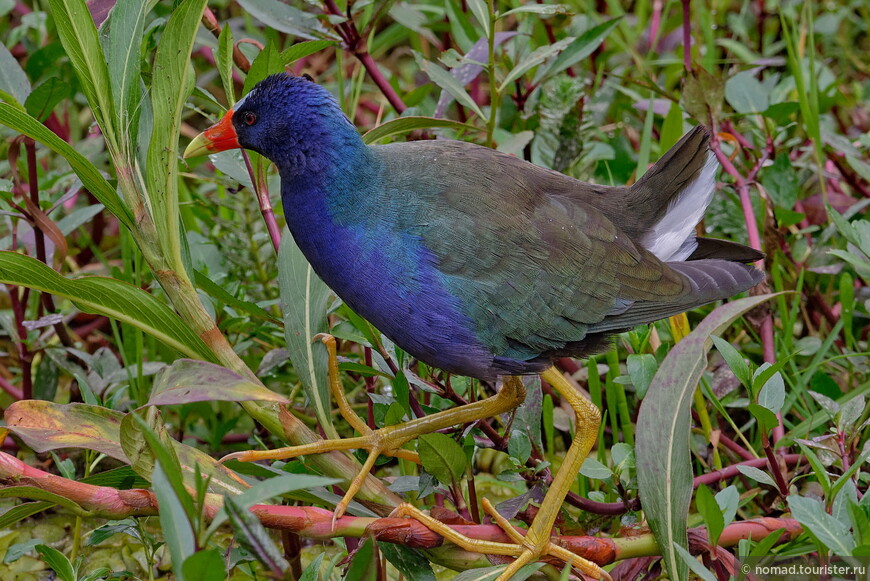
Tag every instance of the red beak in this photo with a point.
(219, 137)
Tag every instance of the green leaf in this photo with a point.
(449, 83)
(780, 179)
(22, 511)
(662, 446)
(177, 530)
(107, 296)
(481, 13)
(267, 62)
(13, 79)
(442, 457)
(58, 562)
(410, 562)
(301, 50)
(583, 46)
(251, 535)
(363, 566)
(205, 565)
(756, 474)
(18, 550)
(21, 122)
(766, 418)
(641, 369)
(172, 82)
(312, 571)
(217, 292)
(728, 500)
(224, 63)
(832, 533)
(519, 446)
(82, 45)
(746, 94)
(34, 493)
(702, 94)
(595, 470)
(285, 18)
(735, 360)
(772, 393)
(187, 381)
(45, 97)
(714, 520)
(402, 125)
(532, 60)
(303, 302)
(692, 563)
(538, 9)
(125, 25)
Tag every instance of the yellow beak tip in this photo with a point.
(199, 146)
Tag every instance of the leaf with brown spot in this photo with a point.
(45, 426)
(187, 381)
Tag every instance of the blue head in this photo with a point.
(290, 120)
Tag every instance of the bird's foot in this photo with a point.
(525, 549)
(383, 442)
(387, 441)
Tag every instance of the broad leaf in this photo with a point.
(187, 380)
(109, 297)
(125, 26)
(442, 457)
(82, 44)
(45, 426)
(303, 301)
(177, 529)
(172, 82)
(23, 123)
(663, 465)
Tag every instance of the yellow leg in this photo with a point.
(388, 440)
(536, 543)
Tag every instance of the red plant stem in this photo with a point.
(317, 523)
(733, 470)
(655, 23)
(25, 358)
(736, 448)
(10, 389)
(687, 35)
(39, 236)
(211, 24)
(773, 465)
(355, 44)
(766, 331)
(265, 203)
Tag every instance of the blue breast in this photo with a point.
(382, 272)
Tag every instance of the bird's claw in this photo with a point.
(523, 549)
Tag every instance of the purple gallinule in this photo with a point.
(482, 264)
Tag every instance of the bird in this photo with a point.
(482, 264)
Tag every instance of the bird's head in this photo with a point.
(290, 120)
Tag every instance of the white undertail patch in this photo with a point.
(673, 237)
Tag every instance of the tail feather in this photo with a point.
(680, 186)
(709, 280)
(725, 250)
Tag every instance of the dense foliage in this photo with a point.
(147, 326)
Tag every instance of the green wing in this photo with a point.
(532, 266)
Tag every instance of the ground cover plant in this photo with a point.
(155, 317)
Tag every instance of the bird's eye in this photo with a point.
(249, 118)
